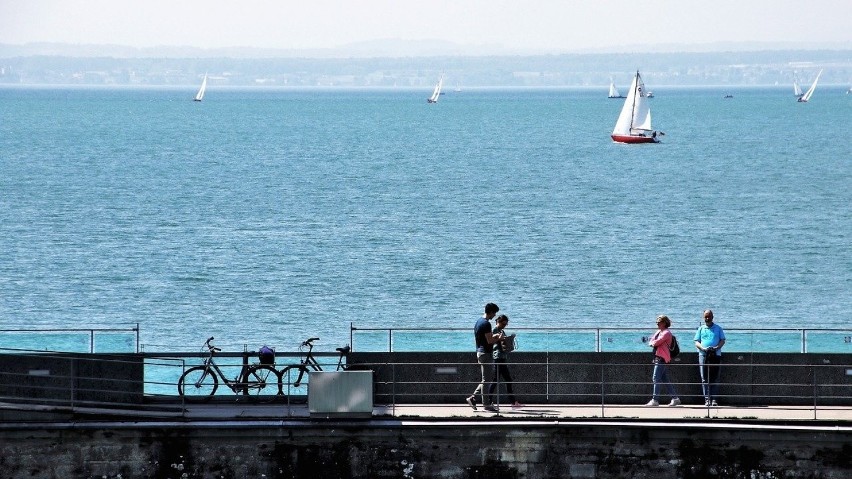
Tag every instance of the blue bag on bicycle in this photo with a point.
(266, 355)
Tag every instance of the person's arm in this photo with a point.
(493, 338)
(698, 346)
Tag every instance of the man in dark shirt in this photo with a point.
(484, 347)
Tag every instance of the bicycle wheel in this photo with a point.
(262, 383)
(198, 383)
(293, 379)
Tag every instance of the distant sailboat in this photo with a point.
(613, 92)
(437, 92)
(634, 122)
(797, 90)
(200, 94)
(808, 94)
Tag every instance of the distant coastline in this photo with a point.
(47, 64)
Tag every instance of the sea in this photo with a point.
(271, 215)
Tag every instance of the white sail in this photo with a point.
(808, 94)
(636, 112)
(613, 92)
(437, 92)
(797, 90)
(200, 94)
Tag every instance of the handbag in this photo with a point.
(510, 343)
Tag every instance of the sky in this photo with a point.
(540, 26)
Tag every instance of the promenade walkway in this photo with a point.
(538, 412)
(246, 411)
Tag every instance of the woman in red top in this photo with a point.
(661, 341)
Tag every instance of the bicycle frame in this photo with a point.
(311, 362)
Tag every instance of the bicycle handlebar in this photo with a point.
(210, 347)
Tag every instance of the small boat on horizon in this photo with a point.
(797, 90)
(200, 95)
(437, 92)
(808, 94)
(728, 95)
(613, 92)
(634, 122)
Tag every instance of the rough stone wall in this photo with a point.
(390, 450)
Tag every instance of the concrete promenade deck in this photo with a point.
(240, 411)
(427, 412)
(243, 411)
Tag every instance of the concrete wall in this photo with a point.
(614, 378)
(372, 449)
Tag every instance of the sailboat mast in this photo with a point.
(633, 107)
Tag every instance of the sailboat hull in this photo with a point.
(634, 139)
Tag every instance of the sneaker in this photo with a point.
(707, 403)
(517, 405)
(675, 402)
(714, 403)
(653, 402)
(471, 401)
(492, 408)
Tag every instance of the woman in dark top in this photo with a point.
(501, 369)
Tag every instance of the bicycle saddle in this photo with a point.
(344, 349)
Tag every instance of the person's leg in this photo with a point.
(479, 387)
(507, 378)
(485, 362)
(714, 371)
(702, 367)
(664, 378)
(659, 374)
(495, 379)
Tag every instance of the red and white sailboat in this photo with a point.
(634, 122)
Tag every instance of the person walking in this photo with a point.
(661, 342)
(709, 340)
(485, 340)
(501, 369)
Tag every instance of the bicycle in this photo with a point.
(310, 363)
(199, 383)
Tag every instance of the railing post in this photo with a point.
(602, 386)
(814, 369)
(91, 341)
(597, 340)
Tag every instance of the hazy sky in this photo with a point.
(544, 25)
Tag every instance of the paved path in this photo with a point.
(246, 411)
(533, 411)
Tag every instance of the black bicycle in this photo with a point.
(199, 383)
(309, 363)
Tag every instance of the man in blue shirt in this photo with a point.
(484, 347)
(709, 340)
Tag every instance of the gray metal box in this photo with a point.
(340, 393)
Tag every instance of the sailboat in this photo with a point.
(437, 92)
(797, 90)
(634, 122)
(808, 94)
(613, 92)
(200, 94)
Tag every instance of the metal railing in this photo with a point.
(146, 384)
(80, 340)
(780, 340)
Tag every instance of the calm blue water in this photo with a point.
(268, 216)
